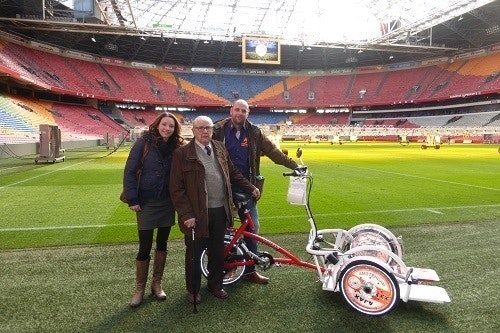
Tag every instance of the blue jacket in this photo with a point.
(155, 175)
(258, 145)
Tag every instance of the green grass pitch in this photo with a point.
(67, 244)
(76, 201)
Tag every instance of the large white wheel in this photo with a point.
(369, 288)
(373, 234)
(231, 275)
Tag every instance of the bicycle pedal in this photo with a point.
(277, 264)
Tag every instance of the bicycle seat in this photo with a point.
(240, 197)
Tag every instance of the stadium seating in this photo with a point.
(21, 116)
(139, 118)
(86, 120)
(331, 90)
(199, 89)
(368, 83)
(84, 78)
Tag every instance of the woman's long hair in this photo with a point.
(155, 134)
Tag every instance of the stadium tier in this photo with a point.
(101, 88)
(467, 77)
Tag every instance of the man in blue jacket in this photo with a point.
(245, 143)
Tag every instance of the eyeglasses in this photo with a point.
(203, 128)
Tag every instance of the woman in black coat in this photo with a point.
(146, 188)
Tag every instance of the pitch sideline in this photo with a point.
(433, 209)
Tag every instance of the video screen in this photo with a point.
(256, 50)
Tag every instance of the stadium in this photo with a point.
(395, 105)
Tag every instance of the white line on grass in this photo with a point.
(426, 178)
(434, 210)
(262, 217)
(67, 227)
(42, 175)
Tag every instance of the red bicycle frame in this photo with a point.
(288, 258)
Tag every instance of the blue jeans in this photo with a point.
(251, 243)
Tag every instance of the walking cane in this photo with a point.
(195, 310)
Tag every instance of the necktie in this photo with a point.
(209, 151)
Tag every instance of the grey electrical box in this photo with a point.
(50, 144)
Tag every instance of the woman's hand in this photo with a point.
(136, 208)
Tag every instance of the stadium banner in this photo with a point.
(465, 95)
(142, 64)
(403, 65)
(230, 70)
(469, 54)
(85, 95)
(80, 55)
(174, 68)
(341, 70)
(435, 61)
(128, 100)
(203, 69)
(256, 71)
(315, 72)
(112, 61)
(370, 68)
(45, 48)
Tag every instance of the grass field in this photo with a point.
(67, 244)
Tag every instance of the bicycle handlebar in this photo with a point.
(297, 172)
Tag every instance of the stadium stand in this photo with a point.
(465, 77)
(199, 89)
(85, 120)
(364, 88)
(102, 81)
(22, 116)
(330, 89)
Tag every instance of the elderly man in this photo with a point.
(246, 143)
(200, 187)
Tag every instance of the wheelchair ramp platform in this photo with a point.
(424, 293)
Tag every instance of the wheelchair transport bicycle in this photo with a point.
(364, 263)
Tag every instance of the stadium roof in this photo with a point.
(315, 34)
